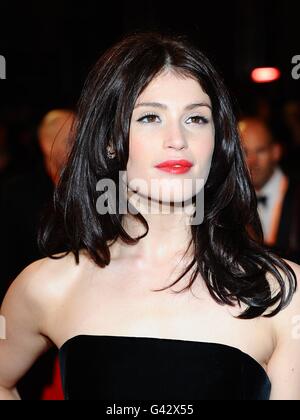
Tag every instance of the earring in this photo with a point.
(110, 154)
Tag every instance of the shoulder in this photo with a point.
(44, 282)
(28, 309)
(286, 320)
(284, 365)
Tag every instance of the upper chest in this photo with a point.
(122, 301)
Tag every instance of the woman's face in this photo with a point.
(171, 120)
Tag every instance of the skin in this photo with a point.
(53, 136)
(171, 133)
(262, 154)
(57, 300)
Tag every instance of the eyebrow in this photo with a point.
(162, 106)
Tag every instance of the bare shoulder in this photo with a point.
(288, 316)
(284, 365)
(284, 321)
(44, 281)
(27, 310)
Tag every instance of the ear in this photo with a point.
(277, 152)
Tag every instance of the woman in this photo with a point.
(160, 303)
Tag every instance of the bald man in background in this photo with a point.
(278, 196)
(54, 137)
(23, 199)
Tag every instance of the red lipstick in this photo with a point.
(176, 167)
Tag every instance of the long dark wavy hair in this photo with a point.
(228, 246)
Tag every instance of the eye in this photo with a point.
(147, 118)
(197, 119)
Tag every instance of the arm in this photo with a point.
(24, 311)
(284, 366)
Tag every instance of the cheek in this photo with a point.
(203, 149)
(207, 148)
(140, 145)
(137, 147)
(140, 152)
(266, 161)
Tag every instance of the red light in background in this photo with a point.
(265, 74)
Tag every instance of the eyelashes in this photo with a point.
(147, 116)
(202, 119)
(150, 117)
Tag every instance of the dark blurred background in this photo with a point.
(50, 46)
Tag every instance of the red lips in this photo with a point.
(172, 163)
(176, 167)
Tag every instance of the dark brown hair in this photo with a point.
(232, 263)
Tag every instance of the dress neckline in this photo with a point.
(162, 339)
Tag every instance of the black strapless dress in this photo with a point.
(105, 367)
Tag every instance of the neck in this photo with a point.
(169, 234)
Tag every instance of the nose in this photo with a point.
(174, 137)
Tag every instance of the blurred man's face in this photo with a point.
(54, 135)
(262, 155)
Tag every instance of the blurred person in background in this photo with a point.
(278, 195)
(53, 135)
(24, 196)
(23, 199)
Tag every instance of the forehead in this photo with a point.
(255, 134)
(170, 87)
